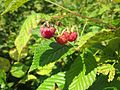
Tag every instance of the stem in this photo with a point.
(83, 28)
(77, 14)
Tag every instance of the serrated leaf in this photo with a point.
(25, 32)
(12, 5)
(4, 64)
(107, 69)
(111, 74)
(94, 37)
(39, 50)
(104, 69)
(82, 81)
(74, 70)
(87, 74)
(47, 52)
(102, 84)
(90, 61)
(49, 83)
(18, 70)
(45, 70)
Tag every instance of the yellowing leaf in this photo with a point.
(111, 74)
(45, 70)
(107, 69)
(14, 53)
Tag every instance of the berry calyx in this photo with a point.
(47, 32)
(72, 36)
(61, 39)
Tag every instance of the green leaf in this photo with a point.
(26, 29)
(4, 64)
(112, 42)
(12, 5)
(86, 74)
(110, 52)
(107, 69)
(92, 38)
(14, 54)
(40, 49)
(49, 83)
(2, 78)
(45, 70)
(47, 52)
(83, 40)
(89, 61)
(28, 77)
(116, 1)
(18, 70)
(103, 9)
(102, 79)
(74, 70)
(82, 81)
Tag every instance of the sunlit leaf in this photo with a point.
(26, 29)
(48, 51)
(14, 54)
(107, 69)
(18, 70)
(2, 78)
(45, 70)
(12, 5)
(82, 81)
(48, 84)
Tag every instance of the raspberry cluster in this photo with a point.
(65, 37)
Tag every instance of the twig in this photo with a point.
(77, 14)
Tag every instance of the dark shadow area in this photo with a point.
(102, 84)
(74, 70)
(90, 62)
(53, 54)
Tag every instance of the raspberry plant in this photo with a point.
(78, 50)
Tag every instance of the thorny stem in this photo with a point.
(77, 14)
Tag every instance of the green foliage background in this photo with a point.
(28, 61)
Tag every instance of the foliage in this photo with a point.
(57, 79)
(29, 61)
(11, 5)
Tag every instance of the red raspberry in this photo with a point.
(66, 34)
(47, 32)
(61, 39)
(72, 36)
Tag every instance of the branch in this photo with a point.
(85, 17)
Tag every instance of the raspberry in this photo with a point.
(66, 34)
(47, 32)
(61, 39)
(72, 36)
